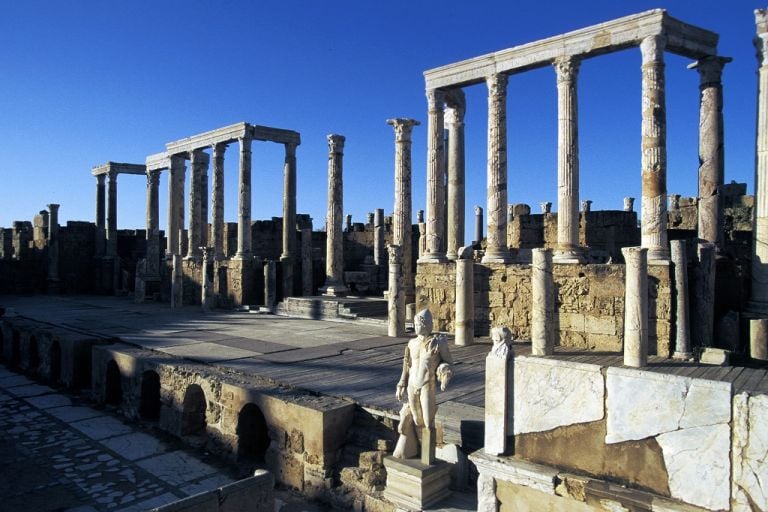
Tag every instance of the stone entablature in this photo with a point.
(118, 168)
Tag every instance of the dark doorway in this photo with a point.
(34, 355)
(252, 434)
(114, 391)
(149, 407)
(55, 358)
(193, 412)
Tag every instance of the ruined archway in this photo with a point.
(54, 356)
(252, 434)
(113, 394)
(149, 406)
(193, 412)
(34, 355)
(16, 348)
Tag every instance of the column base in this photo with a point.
(451, 256)
(497, 257)
(412, 485)
(683, 356)
(334, 290)
(242, 256)
(432, 258)
(568, 257)
(658, 256)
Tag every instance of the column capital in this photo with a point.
(456, 101)
(566, 67)
(100, 179)
(153, 177)
(435, 99)
(219, 148)
(497, 84)
(652, 48)
(336, 143)
(710, 69)
(290, 148)
(403, 127)
(112, 173)
(53, 207)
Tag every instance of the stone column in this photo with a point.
(195, 205)
(217, 201)
(465, 293)
(244, 203)
(395, 295)
(204, 200)
(306, 262)
(454, 124)
(206, 299)
(759, 300)
(53, 248)
(568, 251)
(546, 207)
(435, 237)
(100, 214)
(270, 284)
(636, 307)
(704, 296)
(379, 252)
(348, 222)
(654, 150)
(402, 218)
(486, 493)
(175, 204)
(510, 213)
(334, 244)
(682, 315)
(177, 277)
(422, 239)
(153, 225)
(287, 258)
(478, 224)
(497, 250)
(711, 156)
(111, 251)
(499, 395)
(629, 204)
(758, 339)
(543, 304)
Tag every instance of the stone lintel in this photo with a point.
(682, 38)
(158, 162)
(119, 168)
(516, 471)
(278, 135)
(226, 134)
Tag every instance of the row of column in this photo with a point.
(446, 111)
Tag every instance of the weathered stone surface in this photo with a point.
(750, 452)
(549, 393)
(334, 259)
(498, 373)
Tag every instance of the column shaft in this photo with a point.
(379, 251)
(497, 250)
(175, 204)
(100, 214)
(435, 246)
(682, 315)
(111, 251)
(204, 200)
(543, 304)
(195, 204)
(478, 224)
(153, 225)
(760, 228)
(654, 150)
(53, 247)
(454, 124)
(289, 218)
(636, 306)
(244, 203)
(465, 292)
(395, 296)
(217, 200)
(334, 262)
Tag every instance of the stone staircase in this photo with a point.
(368, 310)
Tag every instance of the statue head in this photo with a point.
(422, 323)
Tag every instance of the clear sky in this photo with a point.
(86, 82)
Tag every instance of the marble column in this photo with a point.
(217, 201)
(53, 247)
(177, 278)
(204, 191)
(704, 296)
(270, 284)
(454, 124)
(306, 262)
(395, 295)
(464, 328)
(100, 214)
(636, 306)
(206, 299)
(153, 226)
(497, 250)
(759, 299)
(287, 258)
(629, 204)
(194, 235)
(499, 393)
(758, 339)
(244, 202)
(478, 224)
(348, 222)
(653, 228)
(711, 154)
(543, 304)
(334, 245)
(402, 217)
(111, 250)
(175, 204)
(510, 213)
(682, 313)
(379, 251)
(434, 251)
(568, 250)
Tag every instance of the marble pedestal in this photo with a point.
(412, 485)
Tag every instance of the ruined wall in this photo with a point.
(590, 302)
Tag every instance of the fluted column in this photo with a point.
(653, 227)
(195, 204)
(175, 204)
(567, 69)
(435, 247)
(100, 214)
(287, 258)
(402, 222)
(454, 124)
(711, 157)
(464, 327)
(334, 255)
(111, 251)
(153, 225)
(217, 200)
(244, 203)
(760, 228)
(497, 250)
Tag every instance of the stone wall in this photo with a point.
(590, 302)
(253, 494)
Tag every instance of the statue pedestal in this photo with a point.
(414, 486)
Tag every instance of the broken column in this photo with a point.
(704, 296)
(334, 245)
(711, 154)
(244, 246)
(653, 226)
(289, 218)
(499, 405)
(401, 218)
(379, 251)
(682, 315)
(758, 339)
(217, 200)
(395, 295)
(478, 225)
(434, 251)
(465, 290)
(53, 248)
(100, 214)
(454, 125)
(497, 250)
(629, 204)
(636, 306)
(567, 69)
(543, 304)
(759, 297)
(270, 284)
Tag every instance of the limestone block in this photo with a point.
(698, 465)
(600, 325)
(644, 404)
(750, 451)
(572, 322)
(550, 393)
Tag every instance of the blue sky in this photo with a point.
(82, 83)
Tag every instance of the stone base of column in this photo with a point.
(568, 256)
(683, 356)
(658, 256)
(451, 256)
(432, 258)
(242, 256)
(412, 485)
(334, 290)
(497, 257)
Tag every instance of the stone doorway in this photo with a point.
(252, 434)
(34, 355)
(149, 406)
(193, 412)
(55, 359)
(114, 386)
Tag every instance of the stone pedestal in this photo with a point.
(465, 304)
(636, 307)
(543, 305)
(412, 485)
(682, 316)
(758, 339)
(498, 397)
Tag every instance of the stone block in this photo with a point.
(600, 324)
(414, 486)
(749, 452)
(571, 322)
(715, 356)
